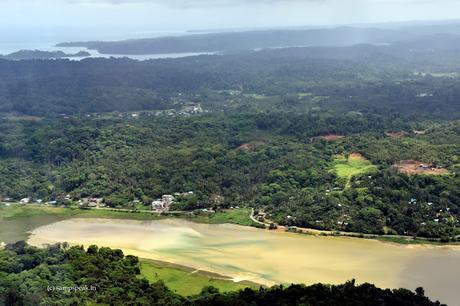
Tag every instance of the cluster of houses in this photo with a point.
(188, 108)
(84, 202)
(29, 200)
(426, 167)
(164, 203)
(91, 202)
(191, 109)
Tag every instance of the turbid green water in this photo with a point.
(12, 230)
(269, 257)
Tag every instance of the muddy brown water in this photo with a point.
(245, 253)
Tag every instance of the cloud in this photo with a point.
(145, 15)
(196, 3)
(233, 3)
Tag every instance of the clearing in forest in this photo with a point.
(419, 167)
(355, 164)
(329, 137)
(253, 145)
(396, 134)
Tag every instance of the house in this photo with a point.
(261, 217)
(192, 109)
(208, 210)
(168, 199)
(96, 202)
(183, 193)
(92, 202)
(424, 167)
(163, 204)
(158, 206)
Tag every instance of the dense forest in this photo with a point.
(63, 275)
(416, 77)
(37, 54)
(272, 161)
(358, 138)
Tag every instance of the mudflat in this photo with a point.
(265, 257)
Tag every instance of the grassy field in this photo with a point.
(353, 165)
(186, 281)
(21, 211)
(235, 216)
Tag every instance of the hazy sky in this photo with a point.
(144, 17)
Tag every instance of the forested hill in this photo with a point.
(38, 54)
(344, 36)
(414, 77)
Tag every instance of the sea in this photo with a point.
(45, 39)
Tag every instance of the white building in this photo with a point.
(163, 204)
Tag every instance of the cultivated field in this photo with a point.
(355, 164)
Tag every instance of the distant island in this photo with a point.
(248, 40)
(38, 54)
(231, 41)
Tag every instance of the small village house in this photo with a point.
(163, 204)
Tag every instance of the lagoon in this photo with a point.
(266, 257)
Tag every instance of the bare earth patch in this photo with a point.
(356, 156)
(396, 134)
(418, 167)
(329, 137)
(253, 145)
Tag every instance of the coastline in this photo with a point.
(242, 217)
(205, 273)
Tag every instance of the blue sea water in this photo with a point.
(15, 39)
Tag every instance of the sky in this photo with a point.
(117, 19)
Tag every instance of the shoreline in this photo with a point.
(113, 213)
(205, 273)
(244, 253)
(396, 239)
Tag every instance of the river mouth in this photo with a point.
(265, 257)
